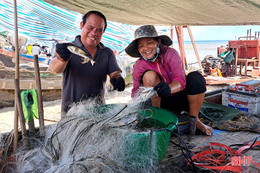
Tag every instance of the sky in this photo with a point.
(220, 32)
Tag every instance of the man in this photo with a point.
(36, 50)
(86, 81)
(46, 51)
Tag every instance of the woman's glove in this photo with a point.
(62, 51)
(163, 89)
(118, 83)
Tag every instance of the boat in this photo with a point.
(26, 57)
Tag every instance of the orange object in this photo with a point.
(215, 72)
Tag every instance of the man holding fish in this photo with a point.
(85, 64)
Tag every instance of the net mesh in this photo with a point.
(94, 139)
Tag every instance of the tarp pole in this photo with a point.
(172, 34)
(179, 32)
(39, 93)
(18, 104)
(15, 143)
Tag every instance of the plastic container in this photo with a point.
(245, 102)
(227, 56)
(150, 145)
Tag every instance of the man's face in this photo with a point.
(92, 31)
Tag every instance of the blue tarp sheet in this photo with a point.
(42, 22)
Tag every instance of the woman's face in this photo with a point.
(147, 46)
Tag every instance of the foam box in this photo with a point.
(246, 102)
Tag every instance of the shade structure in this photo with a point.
(171, 12)
(43, 23)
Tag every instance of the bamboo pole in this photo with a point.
(18, 106)
(39, 93)
(15, 144)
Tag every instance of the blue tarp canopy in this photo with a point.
(41, 22)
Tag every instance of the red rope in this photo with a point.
(217, 159)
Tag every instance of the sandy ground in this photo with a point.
(52, 110)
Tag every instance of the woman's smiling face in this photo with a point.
(147, 47)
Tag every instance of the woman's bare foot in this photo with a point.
(204, 128)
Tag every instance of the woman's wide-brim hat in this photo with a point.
(142, 32)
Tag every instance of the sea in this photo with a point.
(204, 48)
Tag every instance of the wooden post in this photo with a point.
(236, 58)
(179, 32)
(31, 126)
(171, 34)
(15, 143)
(39, 93)
(195, 49)
(249, 34)
(18, 105)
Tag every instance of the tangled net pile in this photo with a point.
(90, 139)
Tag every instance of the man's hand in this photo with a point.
(62, 52)
(163, 89)
(118, 83)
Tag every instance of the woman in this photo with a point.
(161, 67)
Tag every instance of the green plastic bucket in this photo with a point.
(227, 56)
(150, 145)
(145, 148)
